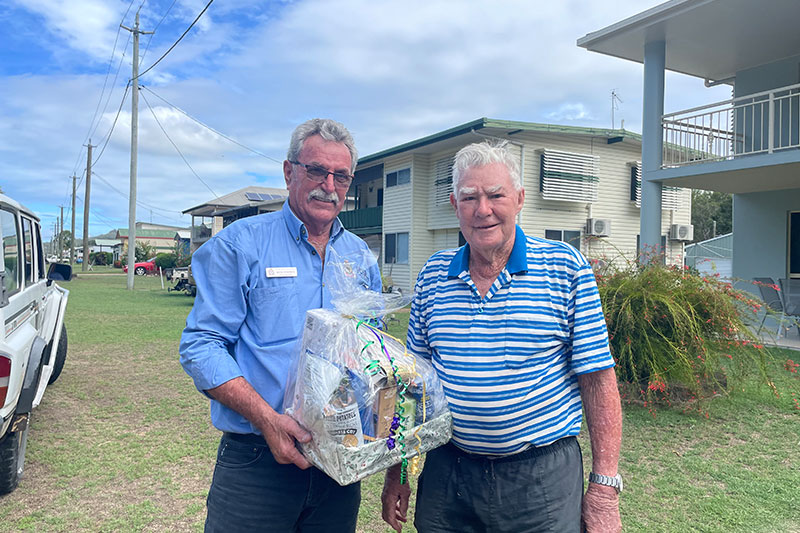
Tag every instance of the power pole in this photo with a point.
(86, 206)
(134, 149)
(61, 235)
(72, 245)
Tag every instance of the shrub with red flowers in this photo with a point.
(676, 334)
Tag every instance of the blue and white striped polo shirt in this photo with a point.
(508, 362)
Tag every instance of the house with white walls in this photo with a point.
(582, 185)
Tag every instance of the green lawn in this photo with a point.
(122, 442)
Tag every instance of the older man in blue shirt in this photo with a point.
(255, 280)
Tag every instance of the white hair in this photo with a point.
(482, 154)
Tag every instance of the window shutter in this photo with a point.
(443, 180)
(671, 197)
(568, 177)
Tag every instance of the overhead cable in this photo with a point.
(234, 141)
(176, 147)
(176, 42)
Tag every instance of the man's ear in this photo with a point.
(453, 200)
(287, 172)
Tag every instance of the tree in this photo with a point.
(66, 239)
(143, 251)
(709, 207)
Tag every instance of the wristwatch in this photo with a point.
(615, 481)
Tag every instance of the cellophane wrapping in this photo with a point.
(366, 401)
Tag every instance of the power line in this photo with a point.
(108, 136)
(176, 147)
(102, 92)
(154, 30)
(116, 75)
(234, 141)
(176, 42)
(139, 202)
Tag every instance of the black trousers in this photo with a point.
(251, 492)
(538, 490)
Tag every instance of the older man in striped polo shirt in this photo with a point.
(515, 330)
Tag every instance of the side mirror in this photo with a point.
(59, 272)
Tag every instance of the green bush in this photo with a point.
(101, 258)
(677, 334)
(165, 260)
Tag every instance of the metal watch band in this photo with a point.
(600, 479)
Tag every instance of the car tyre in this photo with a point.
(140, 271)
(12, 459)
(61, 356)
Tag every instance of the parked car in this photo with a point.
(33, 343)
(143, 267)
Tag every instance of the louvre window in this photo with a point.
(671, 197)
(568, 177)
(443, 180)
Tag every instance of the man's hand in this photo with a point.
(395, 499)
(281, 432)
(600, 510)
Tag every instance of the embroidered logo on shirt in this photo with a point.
(281, 272)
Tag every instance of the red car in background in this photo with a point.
(144, 267)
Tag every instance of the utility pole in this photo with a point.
(61, 235)
(72, 245)
(86, 206)
(134, 149)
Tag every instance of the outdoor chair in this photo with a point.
(772, 298)
(790, 289)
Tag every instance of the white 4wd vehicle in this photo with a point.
(33, 341)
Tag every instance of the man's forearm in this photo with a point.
(600, 397)
(240, 396)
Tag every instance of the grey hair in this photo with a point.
(328, 129)
(485, 153)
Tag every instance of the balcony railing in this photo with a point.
(201, 233)
(757, 123)
(367, 220)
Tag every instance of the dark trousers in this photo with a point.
(252, 492)
(538, 490)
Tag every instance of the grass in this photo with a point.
(123, 442)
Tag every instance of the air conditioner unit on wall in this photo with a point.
(599, 227)
(681, 232)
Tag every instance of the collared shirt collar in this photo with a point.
(517, 261)
(297, 227)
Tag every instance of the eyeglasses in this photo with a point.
(320, 174)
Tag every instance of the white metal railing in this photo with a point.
(763, 122)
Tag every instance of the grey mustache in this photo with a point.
(319, 194)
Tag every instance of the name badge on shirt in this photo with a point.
(281, 272)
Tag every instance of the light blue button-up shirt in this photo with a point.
(246, 322)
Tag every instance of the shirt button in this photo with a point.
(480, 309)
(313, 252)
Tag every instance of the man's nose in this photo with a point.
(328, 184)
(484, 206)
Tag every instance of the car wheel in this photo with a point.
(61, 356)
(140, 271)
(12, 459)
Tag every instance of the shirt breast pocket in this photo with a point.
(275, 313)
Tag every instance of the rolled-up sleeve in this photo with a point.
(221, 274)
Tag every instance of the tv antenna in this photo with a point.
(615, 99)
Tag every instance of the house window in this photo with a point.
(10, 251)
(398, 177)
(568, 236)
(671, 197)
(396, 248)
(443, 180)
(568, 177)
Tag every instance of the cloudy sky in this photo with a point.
(252, 70)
